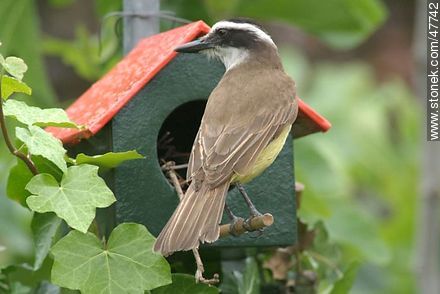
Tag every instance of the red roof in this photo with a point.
(97, 106)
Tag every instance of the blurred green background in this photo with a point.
(352, 61)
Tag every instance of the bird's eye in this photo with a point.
(222, 32)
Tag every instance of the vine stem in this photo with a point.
(14, 151)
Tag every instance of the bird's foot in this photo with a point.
(201, 269)
(200, 279)
(254, 212)
(247, 224)
(234, 225)
(252, 209)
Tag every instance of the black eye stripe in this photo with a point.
(222, 32)
(237, 37)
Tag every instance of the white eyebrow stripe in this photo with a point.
(243, 26)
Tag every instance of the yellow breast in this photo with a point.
(264, 159)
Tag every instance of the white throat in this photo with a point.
(231, 57)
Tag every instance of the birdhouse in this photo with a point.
(152, 101)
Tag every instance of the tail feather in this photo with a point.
(196, 219)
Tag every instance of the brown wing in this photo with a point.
(235, 130)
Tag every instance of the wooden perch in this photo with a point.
(255, 223)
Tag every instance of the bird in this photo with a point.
(246, 122)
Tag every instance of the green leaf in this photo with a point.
(343, 285)
(30, 115)
(360, 233)
(250, 284)
(108, 160)
(22, 276)
(185, 284)
(7, 283)
(246, 282)
(79, 53)
(84, 53)
(18, 178)
(44, 228)
(229, 283)
(19, 288)
(47, 288)
(39, 142)
(20, 34)
(126, 264)
(11, 85)
(75, 200)
(20, 175)
(14, 66)
(104, 7)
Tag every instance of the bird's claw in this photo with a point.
(200, 279)
(233, 228)
(247, 225)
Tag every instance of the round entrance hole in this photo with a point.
(177, 134)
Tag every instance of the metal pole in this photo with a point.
(136, 27)
(427, 253)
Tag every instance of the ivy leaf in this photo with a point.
(343, 285)
(20, 175)
(185, 284)
(126, 264)
(30, 115)
(75, 200)
(14, 66)
(11, 85)
(18, 178)
(108, 160)
(39, 142)
(44, 228)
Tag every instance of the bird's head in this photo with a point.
(232, 41)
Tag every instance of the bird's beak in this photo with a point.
(195, 46)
